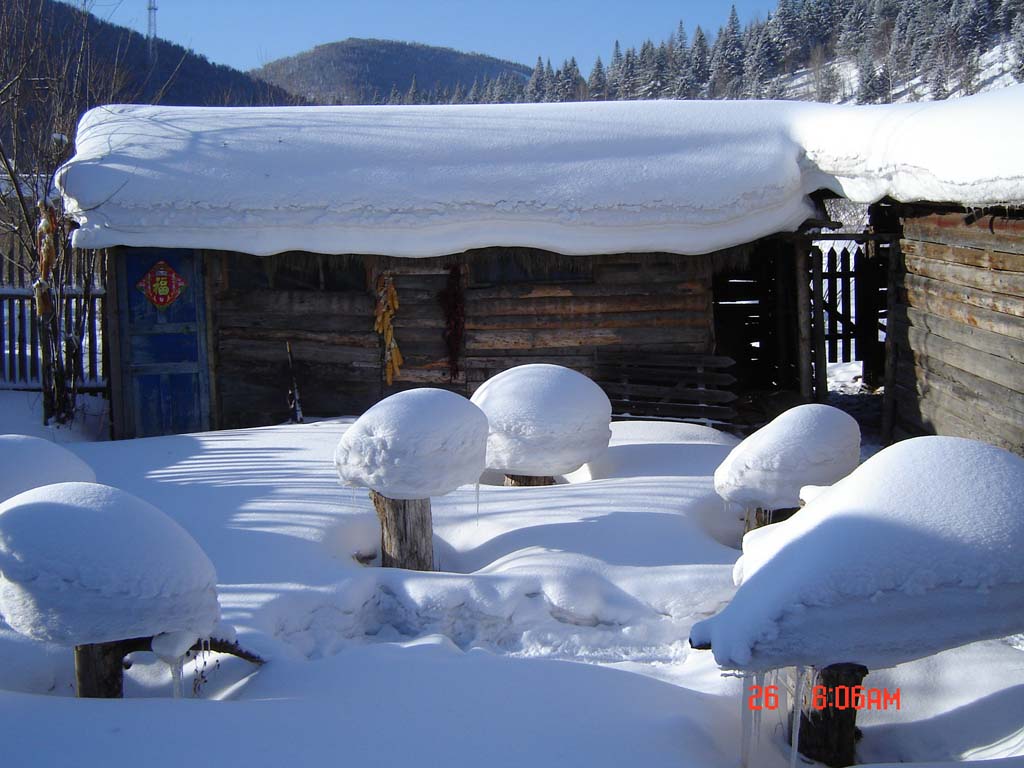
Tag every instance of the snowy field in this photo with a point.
(554, 634)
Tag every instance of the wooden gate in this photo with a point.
(849, 279)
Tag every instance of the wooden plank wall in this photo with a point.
(519, 305)
(523, 307)
(958, 329)
(320, 304)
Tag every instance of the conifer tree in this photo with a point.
(1017, 46)
(680, 79)
(628, 83)
(535, 86)
(784, 29)
(550, 83)
(395, 97)
(727, 59)
(700, 63)
(615, 73)
(412, 96)
(597, 83)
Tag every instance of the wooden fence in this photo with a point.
(77, 306)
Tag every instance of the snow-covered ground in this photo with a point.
(555, 633)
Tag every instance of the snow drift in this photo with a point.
(415, 444)
(29, 462)
(915, 552)
(86, 563)
(585, 178)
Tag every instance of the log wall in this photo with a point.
(957, 329)
(321, 305)
(516, 306)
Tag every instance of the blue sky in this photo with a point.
(245, 34)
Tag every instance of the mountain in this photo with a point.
(360, 71)
(119, 60)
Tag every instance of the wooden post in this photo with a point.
(99, 670)
(407, 532)
(527, 480)
(892, 302)
(803, 308)
(820, 369)
(829, 734)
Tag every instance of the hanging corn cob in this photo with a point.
(387, 305)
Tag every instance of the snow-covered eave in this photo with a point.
(576, 179)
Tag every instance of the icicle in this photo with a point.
(176, 674)
(755, 736)
(745, 723)
(798, 704)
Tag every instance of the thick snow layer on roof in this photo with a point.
(811, 444)
(682, 177)
(415, 444)
(917, 551)
(86, 563)
(29, 462)
(544, 420)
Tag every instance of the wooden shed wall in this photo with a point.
(518, 305)
(958, 329)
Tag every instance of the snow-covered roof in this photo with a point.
(682, 177)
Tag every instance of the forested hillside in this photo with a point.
(119, 62)
(357, 71)
(868, 51)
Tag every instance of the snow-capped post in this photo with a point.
(408, 447)
(811, 444)
(828, 733)
(93, 567)
(545, 420)
(917, 551)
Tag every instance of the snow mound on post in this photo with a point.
(86, 563)
(544, 420)
(915, 552)
(29, 462)
(415, 444)
(808, 445)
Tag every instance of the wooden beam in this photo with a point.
(820, 367)
(803, 307)
(891, 360)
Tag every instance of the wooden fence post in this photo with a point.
(829, 733)
(820, 368)
(407, 533)
(803, 307)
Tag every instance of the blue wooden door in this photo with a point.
(165, 376)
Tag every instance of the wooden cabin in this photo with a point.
(955, 355)
(642, 325)
(663, 248)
